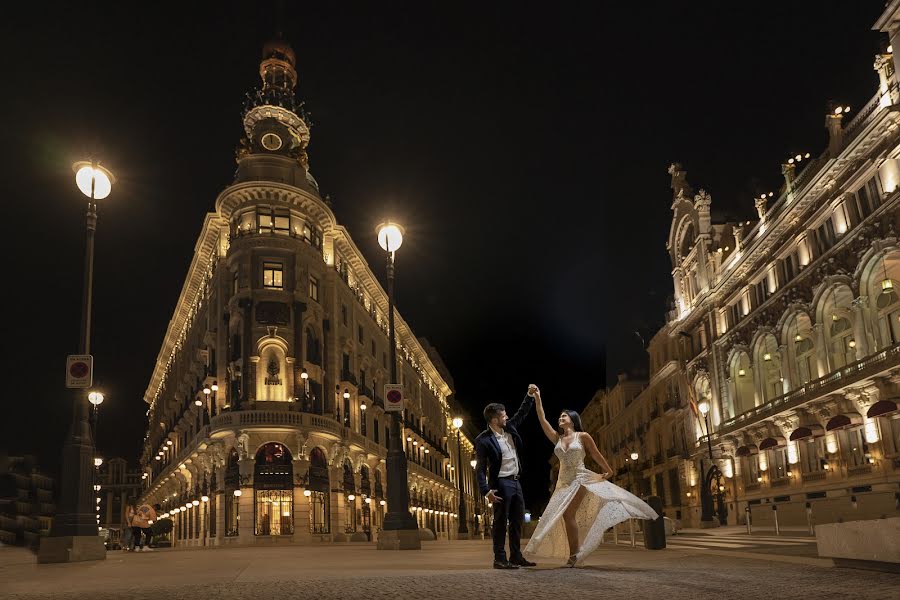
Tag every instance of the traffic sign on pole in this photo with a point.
(393, 397)
(79, 371)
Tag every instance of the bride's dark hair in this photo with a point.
(576, 419)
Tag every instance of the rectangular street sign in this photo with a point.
(79, 371)
(393, 397)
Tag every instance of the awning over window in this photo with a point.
(843, 421)
(747, 450)
(772, 442)
(807, 432)
(882, 407)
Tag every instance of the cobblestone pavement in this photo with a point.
(442, 570)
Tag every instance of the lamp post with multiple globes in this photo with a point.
(400, 531)
(73, 536)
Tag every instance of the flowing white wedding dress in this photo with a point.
(604, 505)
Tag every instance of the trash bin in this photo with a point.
(655, 531)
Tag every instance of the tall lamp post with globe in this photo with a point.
(73, 535)
(463, 531)
(400, 531)
(706, 496)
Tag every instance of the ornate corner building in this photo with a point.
(787, 328)
(265, 419)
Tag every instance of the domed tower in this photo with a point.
(276, 129)
(264, 402)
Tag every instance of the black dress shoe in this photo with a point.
(504, 564)
(521, 562)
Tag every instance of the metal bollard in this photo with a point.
(775, 514)
(809, 518)
(748, 519)
(631, 526)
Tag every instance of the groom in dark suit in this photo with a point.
(499, 468)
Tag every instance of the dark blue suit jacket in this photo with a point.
(487, 450)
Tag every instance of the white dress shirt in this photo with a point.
(509, 462)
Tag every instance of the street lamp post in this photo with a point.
(463, 530)
(73, 536)
(400, 532)
(634, 456)
(706, 497)
(477, 504)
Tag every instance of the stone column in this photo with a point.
(220, 369)
(220, 518)
(246, 508)
(248, 377)
(302, 534)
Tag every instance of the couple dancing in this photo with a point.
(582, 507)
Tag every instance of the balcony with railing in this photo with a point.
(852, 373)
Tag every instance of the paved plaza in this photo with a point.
(459, 569)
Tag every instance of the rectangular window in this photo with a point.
(373, 348)
(359, 333)
(313, 288)
(273, 276)
(789, 270)
(853, 208)
(854, 446)
(865, 207)
(812, 455)
(282, 222)
(874, 192)
(344, 314)
(265, 220)
(751, 473)
(319, 512)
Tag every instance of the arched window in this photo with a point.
(742, 378)
(798, 338)
(888, 307)
(768, 371)
(273, 483)
(881, 282)
(379, 490)
(317, 492)
(805, 351)
(841, 347)
(365, 484)
(349, 486)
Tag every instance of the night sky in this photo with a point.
(525, 150)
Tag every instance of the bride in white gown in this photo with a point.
(584, 504)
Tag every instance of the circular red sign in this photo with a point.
(394, 396)
(79, 370)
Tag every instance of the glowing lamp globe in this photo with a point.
(390, 236)
(93, 180)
